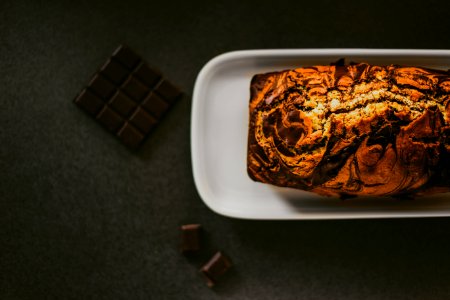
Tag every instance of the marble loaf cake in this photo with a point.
(351, 130)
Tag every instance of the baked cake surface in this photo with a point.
(355, 129)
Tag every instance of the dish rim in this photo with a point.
(199, 177)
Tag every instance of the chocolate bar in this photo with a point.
(215, 268)
(190, 238)
(128, 97)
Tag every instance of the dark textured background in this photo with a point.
(81, 217)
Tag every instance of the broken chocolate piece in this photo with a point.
(128, 97)
(190, 238)
(215, 268)
(114, 71)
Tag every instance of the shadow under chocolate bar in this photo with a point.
(128, 97)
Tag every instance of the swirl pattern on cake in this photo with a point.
(355, 129)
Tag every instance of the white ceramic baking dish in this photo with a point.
(219, 128)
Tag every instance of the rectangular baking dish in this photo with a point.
(219, 128)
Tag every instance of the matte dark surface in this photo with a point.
(82, 217)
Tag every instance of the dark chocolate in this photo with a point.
(130, 136)
(155, 105)
(100, 86)
(215, 268)
(89, 102)
(127, 96)
(190, 238)
(114, 71)
(126, 56)
(110, 119)
(122, 103)
(147, 75)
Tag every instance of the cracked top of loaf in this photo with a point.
(355, 129)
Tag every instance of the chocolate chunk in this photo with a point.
(215, 268)
(190, 238)
(127, 96)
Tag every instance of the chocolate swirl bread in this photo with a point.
(353, 129)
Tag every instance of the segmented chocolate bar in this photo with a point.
(128, 97)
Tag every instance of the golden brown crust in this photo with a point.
(356, 129)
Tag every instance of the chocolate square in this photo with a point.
(114, 71)
(135, 89)
(89, 102)
(130, 136)
(126, 56)
(101, 87)
(143, 120)
(155, 105)
(190, 238)
(110, 119)
(122, 104)
(115, 93)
